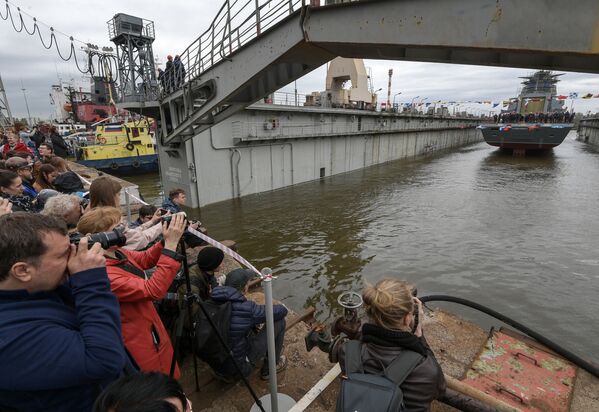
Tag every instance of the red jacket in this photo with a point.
(138, 314)
(19, 147)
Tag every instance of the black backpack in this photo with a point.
(365, 392)
(208, 346)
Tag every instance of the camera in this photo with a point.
(168, 218)
(114, 237)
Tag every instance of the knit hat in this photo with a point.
(238, 278)
(210, 258)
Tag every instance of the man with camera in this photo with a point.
(144, 334)
(60, 332)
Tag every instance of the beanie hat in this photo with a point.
(210, 258)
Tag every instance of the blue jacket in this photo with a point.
(29, 190)
(59, 348)
(170, 206)
(245, 315)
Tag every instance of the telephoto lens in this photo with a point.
(115, 237)
(168, 218)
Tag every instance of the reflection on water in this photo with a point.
(516, 234)
(149, 186)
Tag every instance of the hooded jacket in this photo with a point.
(59, 348)
(143, 332)
(245, 316)
(169, 205)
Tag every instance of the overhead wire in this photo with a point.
(99, 63)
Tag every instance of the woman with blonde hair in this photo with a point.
(391, 329)
(106, 192)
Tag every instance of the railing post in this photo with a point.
(128, 206)
(290, 6)
(229, 26)
(258, 17)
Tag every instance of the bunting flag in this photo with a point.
(587, 96)
(495, 105)
(505, 128)
(562, 97)
(573, 95)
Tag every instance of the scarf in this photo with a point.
(392, 338)
(23, 202)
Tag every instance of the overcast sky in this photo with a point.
(178, 23)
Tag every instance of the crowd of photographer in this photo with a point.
(79, 292)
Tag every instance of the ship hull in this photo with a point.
(525, 136)
(125, 165)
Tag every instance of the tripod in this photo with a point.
(190, 298)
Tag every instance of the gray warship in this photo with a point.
(535, 120)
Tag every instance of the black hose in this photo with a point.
(575, 359)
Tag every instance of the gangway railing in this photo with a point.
(237, 23)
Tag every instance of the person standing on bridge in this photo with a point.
(179, 72)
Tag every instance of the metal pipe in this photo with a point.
(270, 339)
(127, 206)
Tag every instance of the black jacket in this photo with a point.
(381, 346)
(60, 147)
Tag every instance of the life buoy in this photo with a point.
(136, 164)
(129, 146)
(102, 140)
(114, 166)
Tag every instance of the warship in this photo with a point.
(535, 120)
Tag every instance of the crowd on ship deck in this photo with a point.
(552, 117)
(88, 326)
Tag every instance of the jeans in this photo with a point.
(259, 346)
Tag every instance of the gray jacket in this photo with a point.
(425, 384)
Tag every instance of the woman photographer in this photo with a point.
(143, 332)
(392, 328)
(105, 191)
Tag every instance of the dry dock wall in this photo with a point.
(268, 147)
(588, 131)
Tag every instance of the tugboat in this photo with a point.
(121, 148)
(535, 120)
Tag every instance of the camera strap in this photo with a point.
(126, 265)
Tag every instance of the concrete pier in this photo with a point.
(268, 147)
(588, 131)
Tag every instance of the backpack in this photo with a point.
(208, 346)
(365, 392)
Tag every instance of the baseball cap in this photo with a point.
(238, 278)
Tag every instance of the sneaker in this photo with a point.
(280, 367)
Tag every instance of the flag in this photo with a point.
(562, 97)
(495, 105)
(573, 95)
(587, 96)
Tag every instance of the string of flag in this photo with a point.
(504, 103)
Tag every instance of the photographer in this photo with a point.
(390, 308)
(143, 332)
(60, 329)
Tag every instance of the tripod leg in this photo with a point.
(179, 325)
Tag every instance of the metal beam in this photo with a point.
(549, 34)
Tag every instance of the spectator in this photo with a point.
(179, 69)
(46, 174)
(68, 182)
(146, 213)
(14, 142)
(37, 137)
(61, 165)
(61, 149)
(176, 199)
(390, 306)
(247, 344)
(169, 74)
(143, 392)
(24, 170)
(105, 191)
(64, 207)
(11, 188)
(209, 261)
(60, 328)
(46, 152)
(23, 155)
(143, 332)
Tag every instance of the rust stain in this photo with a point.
(496, 17)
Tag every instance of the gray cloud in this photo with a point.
(179, 22)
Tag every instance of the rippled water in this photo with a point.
(516, 234)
